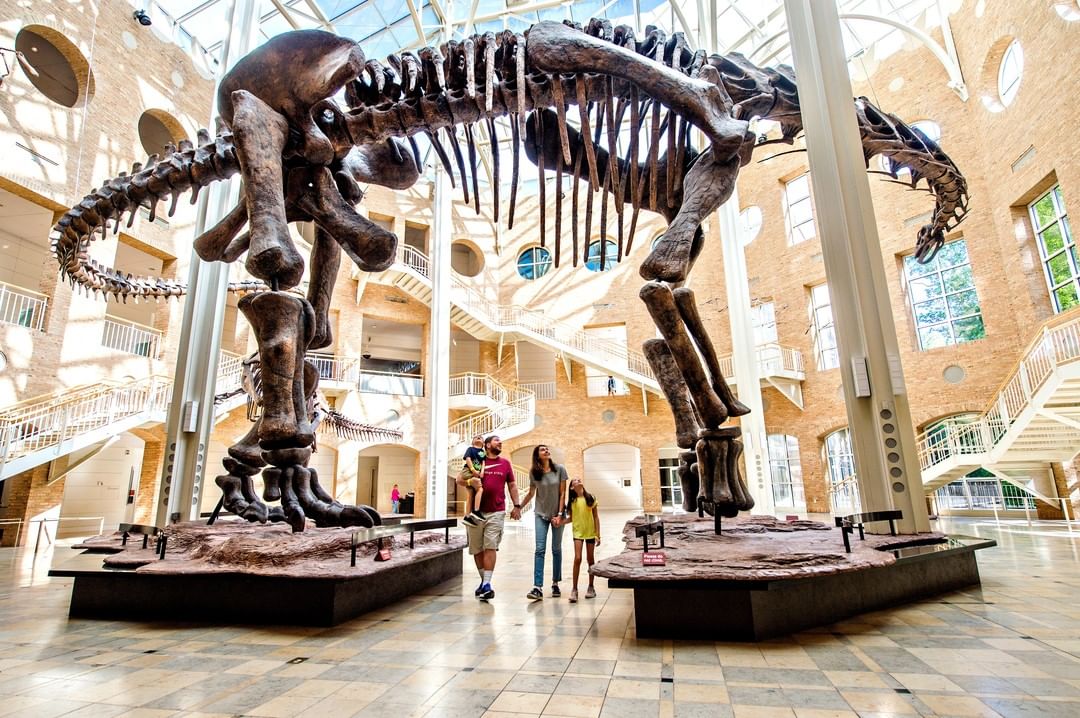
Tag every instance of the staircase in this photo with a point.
(40, 430)
(486, 320)
(507, 411)
(1035, 417)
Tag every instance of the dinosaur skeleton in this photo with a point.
(303, 157)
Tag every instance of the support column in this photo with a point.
(438, 370)
(879, 419)
(191, 412)
(744, 357)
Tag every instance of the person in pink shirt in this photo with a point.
(395, 499)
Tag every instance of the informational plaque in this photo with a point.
(653, 558)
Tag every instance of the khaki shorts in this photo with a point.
(487, 535)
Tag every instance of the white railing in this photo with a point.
(386, 382)
(1055, 346)
(610, 354)
(130, 337)
(773, 359)
(844, 496)
(51, 421)
(229, 372)
(336, 368)
(544, 390)
(514, 405)
(22, 307)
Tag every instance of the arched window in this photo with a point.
(611, 256)
(534, 262)
(1010, 71)
(840, 465)
(62, 73)
(750, 221)
(785, 470)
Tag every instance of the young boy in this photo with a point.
(474, 468)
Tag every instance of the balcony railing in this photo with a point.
(773, 359)
(544, 390)
(336, 368)
(385, 382)
(131, 337)
(22, 307)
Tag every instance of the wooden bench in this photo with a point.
(379, 533)
(847, 524)
(146, 532)
(646, 530)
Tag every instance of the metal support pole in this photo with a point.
(191, 412)
(438, 369)
(879, 418)
(744, 357)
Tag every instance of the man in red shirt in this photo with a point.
(485, 537)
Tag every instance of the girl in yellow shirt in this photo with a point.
(582, 508)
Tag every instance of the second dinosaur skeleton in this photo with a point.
(303, 157)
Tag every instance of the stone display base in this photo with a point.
(799, 581)
(312, 587)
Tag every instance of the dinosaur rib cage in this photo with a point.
(489, 76)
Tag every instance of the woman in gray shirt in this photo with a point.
(548, 485)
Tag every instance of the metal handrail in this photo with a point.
(1057, 344)
(772, 359)
(49, 421)
(22, 307)
(131, 337)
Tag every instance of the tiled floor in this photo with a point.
(1012, 649)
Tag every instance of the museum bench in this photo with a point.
(847, 524)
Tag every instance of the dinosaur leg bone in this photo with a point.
(260, 134)
(708, 185)
(325, 260)
(684, 300)
(283, 326)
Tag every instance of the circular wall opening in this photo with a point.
(157, 129)
(954, 374)
(466, 259)
(533, 263)
(60, 71)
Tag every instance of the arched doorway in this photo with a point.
(378, 468)
(613, 475)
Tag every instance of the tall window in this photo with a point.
(943, 299)
(1057, 248)
(1009, 73)
(670, 486)
(611, 255)
(840, 464)
(763, 316)
(828, 356)
(534, 262)
(799, 210)
(785, 470)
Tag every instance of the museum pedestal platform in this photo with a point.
(764, 579)
(278, 578)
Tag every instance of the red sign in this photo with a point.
(383, 554)
(653, 558)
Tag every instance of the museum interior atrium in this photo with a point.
(819, 314)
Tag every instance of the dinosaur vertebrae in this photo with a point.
(183, 169)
